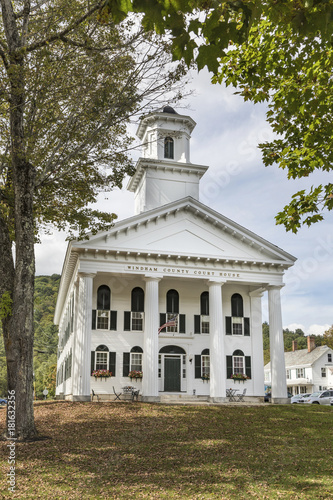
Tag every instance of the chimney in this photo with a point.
(311, 343)
(294, 345)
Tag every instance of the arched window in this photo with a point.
(238, 362)
(204, 304)
(136, 359)
(168, 148)
(172, 349)
(101, 358)
(205, 364)
(137, 300)
(236, 324)
(103, 298)
(172, 302)
(237, 306)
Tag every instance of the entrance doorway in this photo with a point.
(172, 366)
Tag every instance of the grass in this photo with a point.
(137, 450)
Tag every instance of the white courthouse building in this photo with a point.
(175, 259)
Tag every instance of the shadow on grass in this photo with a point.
(127, 450)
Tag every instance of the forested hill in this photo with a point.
(46, 337)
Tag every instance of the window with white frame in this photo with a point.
(329, 357)
(300, 372)
(136, 359)
(204, 312)
(323, 372)
(103, 307)
(288, 374)
(238, 364)
(103, 320)
(102, 358)
(168, 148)
(205, 365)
(137, 309)
(237, 324)
(172, 304)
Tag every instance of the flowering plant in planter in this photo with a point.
(135, 374)
(101, 374)
(205, 376)
(239, 376)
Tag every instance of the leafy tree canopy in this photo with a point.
(274, 51)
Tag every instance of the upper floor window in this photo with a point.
(137, 309)
(329, 357)
(172, 302)
(168, 148)
(323, 372)
(288, 374)
(103, 298)
(237, 324)
(300, 372)
(201, 322)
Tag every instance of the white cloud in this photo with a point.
(317, 329)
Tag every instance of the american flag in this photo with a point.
(171, 322)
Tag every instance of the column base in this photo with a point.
(218, 400)
(151, 399)
(80, 398)
(280, 401)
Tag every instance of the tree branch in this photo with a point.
(61, 34)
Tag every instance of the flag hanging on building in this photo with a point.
(171, 322)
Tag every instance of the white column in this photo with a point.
(257, 365)
(75, 367)
(150, 341)
(216, 351)
(278, 369)
(82, 359)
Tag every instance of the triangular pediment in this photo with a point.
(186, 228)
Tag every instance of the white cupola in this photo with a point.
(164, 172)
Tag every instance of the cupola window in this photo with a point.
(168, 148)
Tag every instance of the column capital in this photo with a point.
(152, 277)
(259, 292)
(86, 275)
(275, 287)
(216, 281)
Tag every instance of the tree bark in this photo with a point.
(18, 328)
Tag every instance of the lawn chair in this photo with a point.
(93, 394)
(135, 394)
(117, 394)
(240, 397)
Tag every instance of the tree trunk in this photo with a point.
(18, 328)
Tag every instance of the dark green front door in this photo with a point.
(172, 374)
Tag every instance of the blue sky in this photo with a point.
(241, 188)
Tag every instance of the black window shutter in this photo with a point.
(126, 364)
(92, 361)
(127, 321)
(247, 327)
(93, 320)
(113, 320)
(197, 366)
(228, 325)
(248, 366)
(182, 327)
(197, 323)
(162, 320)
(112, 363)
(229, 366)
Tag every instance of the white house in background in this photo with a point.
(175, 261)
(307, 370)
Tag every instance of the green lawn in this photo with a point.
(137, 450)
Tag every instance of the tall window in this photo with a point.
(136, 359)
(103, 307)
(101, 358)
(237, 324)
(168, 148)
(204, 311)
(323, 372)
(288, 374)
(172, 310)
(300, 372)
(205, 363)
(329, 357)
(238, 364)
(137, 308)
